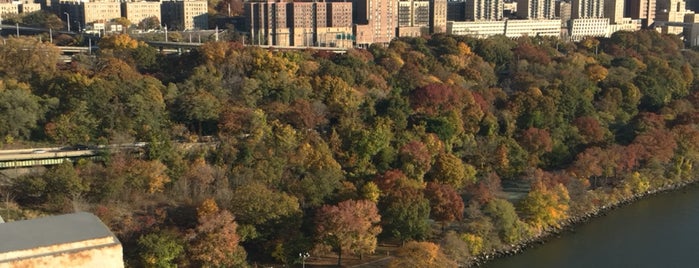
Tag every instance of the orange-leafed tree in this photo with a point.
(214, 242)
(421, 254)
(351, 226)
(445, 203)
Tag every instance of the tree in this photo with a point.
(404, 209)
(41, 19)
(124, 22)
(434, 99)
(118, 41)
(420, 254)
(254, 203)
(590, 129)
(415, 159)
(214, 242)
(449, 169)
(160, 249)
(149, 23)
(510, 228)
(537, 142)
(545, 206)
(20, 110)
(445, 203)
(455, 247)
(73, 127)
(350, 226)
(230, 8)
(63, 186)
(24, 58)
(148, 176)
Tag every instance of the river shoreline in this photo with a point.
(570, 224)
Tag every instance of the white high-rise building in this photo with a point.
(585, 9)
(484, 9)
(536, 9)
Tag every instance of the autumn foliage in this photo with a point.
(250, 155)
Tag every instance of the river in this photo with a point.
(658, 231)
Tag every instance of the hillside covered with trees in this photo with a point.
(327, 153)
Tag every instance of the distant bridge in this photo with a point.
(186, 46)
(57, 155)
(41, 157)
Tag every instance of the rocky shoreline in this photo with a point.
(569, 224)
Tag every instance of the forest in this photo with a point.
(255, 155)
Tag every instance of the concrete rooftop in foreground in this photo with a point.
(71, 240)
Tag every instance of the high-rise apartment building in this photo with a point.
(413, 17)
(8, 8)
(674, 11)
(27, 6)
(185, 15)
(279, 23)
(375, 21)
(484, 9)
(614, 10)
(136, 12)
(583, 9)
(413, 13)
(83, 13)
(339, 14)
(641, 9)
(536, 9)
(267, 22)
(456, 11)
(438, 16)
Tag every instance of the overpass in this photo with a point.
(56, 155)
(186, 46)
(41, 157)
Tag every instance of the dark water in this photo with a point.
(660, 231)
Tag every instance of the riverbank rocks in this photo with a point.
(568, 225)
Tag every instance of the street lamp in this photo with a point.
(67, 20)
(303, 257)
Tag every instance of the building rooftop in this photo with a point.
(47, 231)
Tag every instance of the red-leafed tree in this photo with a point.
(434, 99)
(590, 129)
(445, 203)
(351, 226)
(657, 145)
(537, 142)
(389, 179)
(588, 163)
(525, 50)
(214, 242)
(306, 115)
